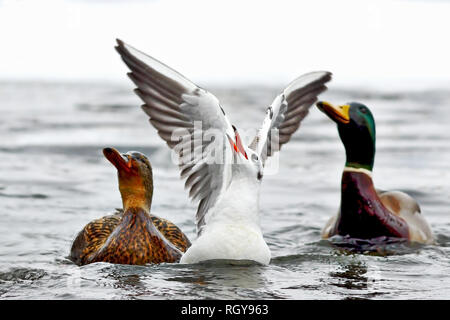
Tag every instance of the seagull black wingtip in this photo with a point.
(120, 42)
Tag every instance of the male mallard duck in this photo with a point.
(365, 212)
(221, 172)
(134, 235)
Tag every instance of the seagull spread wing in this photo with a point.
(284, 115)
(176, 107)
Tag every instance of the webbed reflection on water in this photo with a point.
(351, 276)
(357, 278)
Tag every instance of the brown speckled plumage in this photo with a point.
(132, 235)
(129, 238)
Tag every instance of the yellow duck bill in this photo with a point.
(338, 114)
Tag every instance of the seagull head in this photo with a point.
(246, 157)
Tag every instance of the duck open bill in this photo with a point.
(117, 159)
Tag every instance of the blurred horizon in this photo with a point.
(387, 44)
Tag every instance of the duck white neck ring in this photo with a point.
(359, 170)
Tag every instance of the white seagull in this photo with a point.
(228, 226)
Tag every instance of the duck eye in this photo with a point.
(254, 157)
(363, 110)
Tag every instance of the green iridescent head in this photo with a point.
(356, 127)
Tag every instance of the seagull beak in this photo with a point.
(237, 146)
(337, 114)
(119, 161)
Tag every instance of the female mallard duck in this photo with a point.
(365, 212)
(134, 235)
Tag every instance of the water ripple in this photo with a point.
(55, 180)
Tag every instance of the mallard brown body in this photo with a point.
(129, 238)
(365, 212)
(362, 213)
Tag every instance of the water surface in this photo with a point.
(54, 179)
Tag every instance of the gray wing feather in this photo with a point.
(285, 114)
(173, 103)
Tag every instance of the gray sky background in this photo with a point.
(395, 43)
